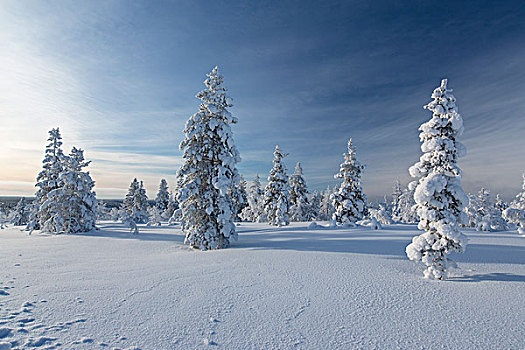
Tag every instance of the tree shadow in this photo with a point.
(494, 277)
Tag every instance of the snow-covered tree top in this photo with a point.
(298, 169)
(214, 98)
(351, 166)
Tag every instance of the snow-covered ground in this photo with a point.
(273, 289)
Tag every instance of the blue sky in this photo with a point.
(119, 78)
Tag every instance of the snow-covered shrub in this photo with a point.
(154, 216)
(300, 208)
(439, 197)
(276, 203)
(349, 201)
(209, 171)
(380, 214)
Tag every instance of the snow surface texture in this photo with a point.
(438, 195)
(274, 288)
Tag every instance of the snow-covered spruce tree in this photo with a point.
(519, 202)
(515, 214)
(47, 180)
(163, 196)
(300, 209)
(315, 204)
(154, 217)
(396, 195)
(74, 203)
(486, 216)
(326, 208)
(20, 213)
(209, 170)
(135, 205)
(277, 191)
(407, 212)
(349, 201)
(439, 197)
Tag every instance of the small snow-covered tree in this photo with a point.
(515, 214)
(209, 171)
(326, 208)
(349, 201)
(519, 202)
(439, 197)
(154, 217)
(277, 192)
(47, 180)
(300, 208)
(162, 200)
(254, 212)
(381, 214)
(407, 212)
(135, 205)
(315, 205)
(20, 213)
(396, 196)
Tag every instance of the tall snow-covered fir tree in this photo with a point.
(349, 201)
(209, 171)
(73, 205)
(135, 205)
(277, 192)
(300, 209)
(47, 180)
(162, 200)
(20, 213)
(439, 197)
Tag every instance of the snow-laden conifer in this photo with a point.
(349, 201)
(519, 201)
(254, 212)
(300, 208)
(47, 180)
(439, 197)
(315, 204)
(396, 195)
(162, 200)
(209, 171)
(326, 208)
(515, 214)
(20, 213)
(74, 203)
(135, 205)
(407, 213)
(277, 191)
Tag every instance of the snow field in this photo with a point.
(275, 288)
